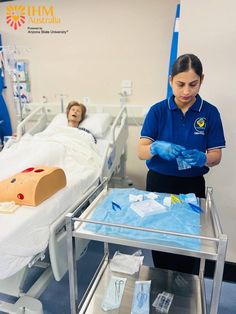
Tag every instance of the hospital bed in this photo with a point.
(33, 232)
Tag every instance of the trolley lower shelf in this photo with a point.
(186, 289)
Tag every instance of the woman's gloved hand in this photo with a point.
(166, 150)
(194, 157)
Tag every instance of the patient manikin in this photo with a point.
(75, 113)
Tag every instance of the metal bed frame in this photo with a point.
(213, 247)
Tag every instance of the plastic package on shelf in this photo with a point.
(114, 293)
(128, 264)
(141, 297)
(163, 302)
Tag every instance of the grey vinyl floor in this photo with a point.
(55, 298)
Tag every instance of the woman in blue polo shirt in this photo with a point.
(182, 128)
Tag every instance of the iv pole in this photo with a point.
(10, 65)
(62, 98)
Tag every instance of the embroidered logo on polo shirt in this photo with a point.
(200, 126)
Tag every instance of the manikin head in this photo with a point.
(75, 113)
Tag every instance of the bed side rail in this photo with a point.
(117, 144)
(120, 122)
(35, 122)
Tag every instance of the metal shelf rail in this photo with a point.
(213, 247)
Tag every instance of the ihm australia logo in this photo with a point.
(200, 125)
(15, 16)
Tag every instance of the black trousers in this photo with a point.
(175, 185)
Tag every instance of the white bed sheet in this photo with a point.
(26, 232)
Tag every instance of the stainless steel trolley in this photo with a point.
(189, 299)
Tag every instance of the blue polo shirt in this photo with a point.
(200, 128)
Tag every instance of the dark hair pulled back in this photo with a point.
(185, 63)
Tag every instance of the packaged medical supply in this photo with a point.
(175, 199)
(163, 302)
(8, 207)
(148, 207)
(135, 198)
(114, 293)
(152, 195)
(141, 297)
(182, 164)
(194, 157)
(172, 199)
(167, 201)
(128, 264)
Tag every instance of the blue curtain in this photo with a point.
(5, 123)
(174, 47)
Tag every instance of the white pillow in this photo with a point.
(96, 123)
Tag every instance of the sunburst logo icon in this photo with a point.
(15, 16)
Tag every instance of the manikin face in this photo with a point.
(75, 115)
(185, 87)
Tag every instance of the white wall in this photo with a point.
(208, 29)
(107, 41)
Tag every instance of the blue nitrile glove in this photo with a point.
(166, 150)
(194, 157)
